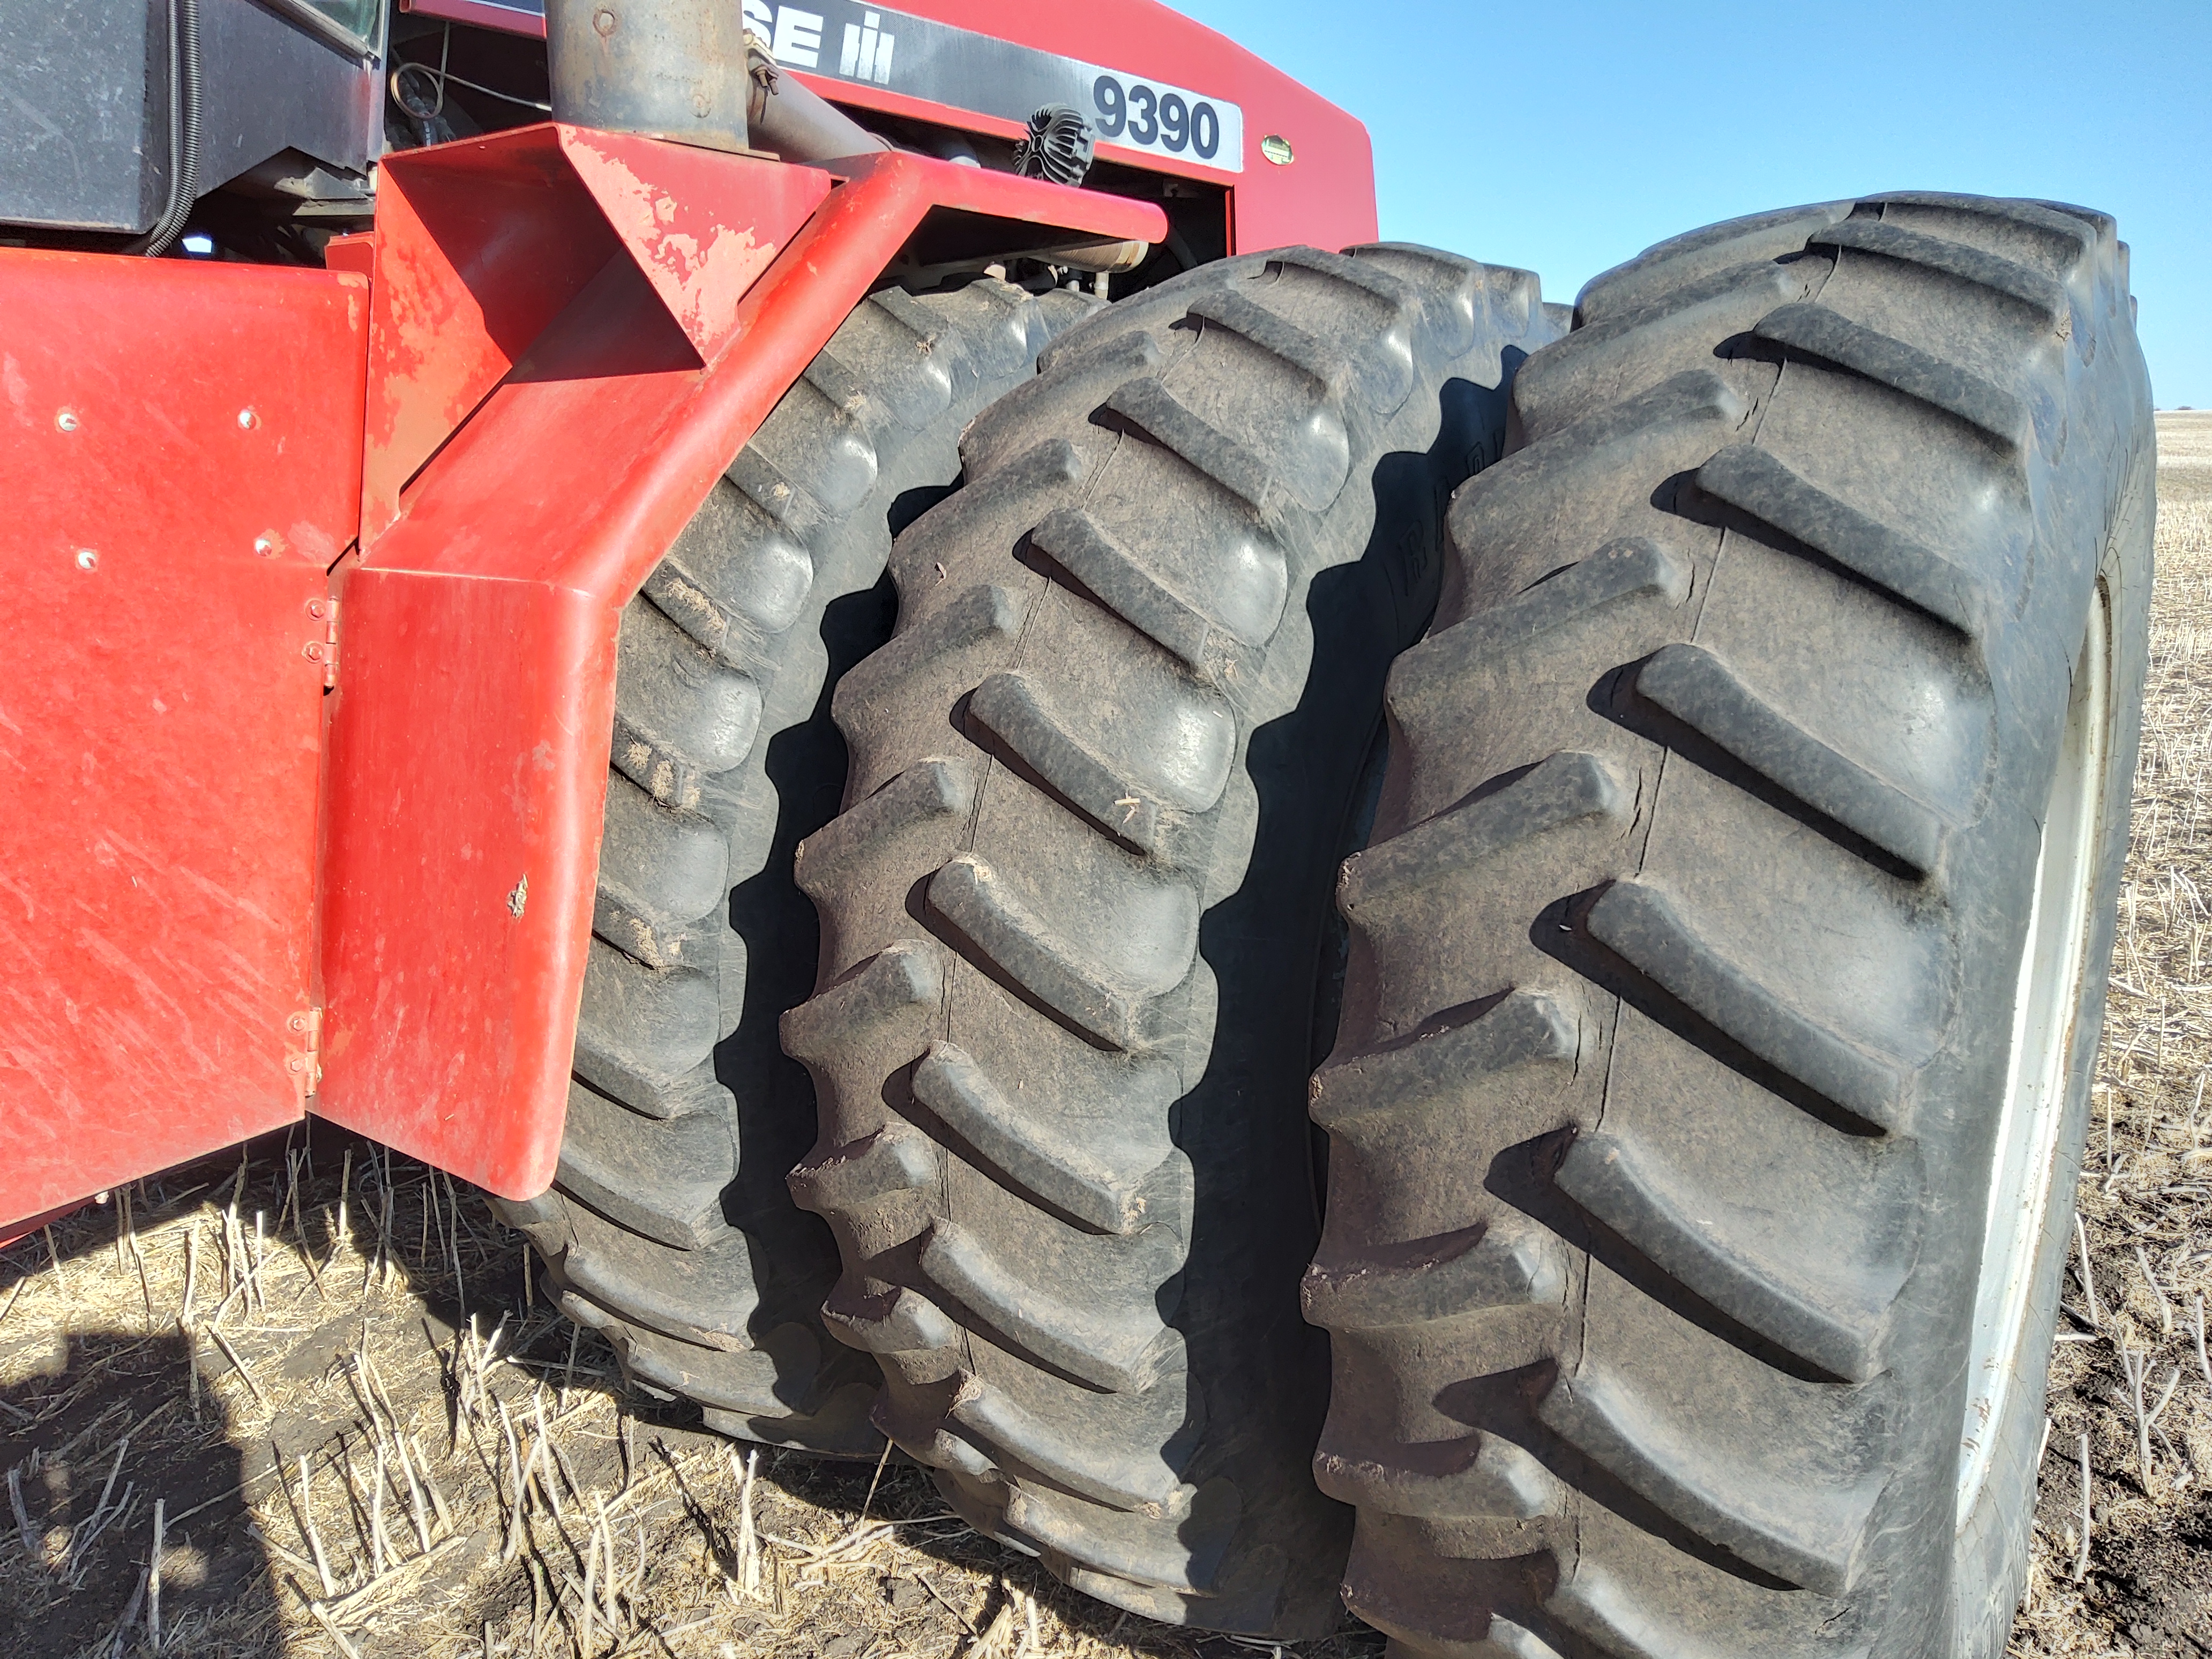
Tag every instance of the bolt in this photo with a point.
(604, 21)
(86, 558)
(319, 609)
(247, 420)
(298, 1022)
(66, 420)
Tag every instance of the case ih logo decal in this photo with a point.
(846, 41)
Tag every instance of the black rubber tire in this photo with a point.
(1072, 913)
(668, 1228)
(1684, 961)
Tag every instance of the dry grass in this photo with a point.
(349, 1463)
(333, 1416)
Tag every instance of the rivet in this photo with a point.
(264, 546)
(66, 420)
(86, 558)
(247, 420)
(1277, 148)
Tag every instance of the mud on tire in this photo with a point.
(1072, 911)
(1685, 957)
(668, 1228)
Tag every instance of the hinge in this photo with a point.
(305, 1060)
(325, 610)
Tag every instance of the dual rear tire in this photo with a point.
(1719, 980)
(1728, 959)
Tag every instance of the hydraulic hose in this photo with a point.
(184, 130)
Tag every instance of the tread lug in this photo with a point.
(1563, 789)
(1808, 1536)
(1438, 1069)
(1748, 478)
(1959, 393)
(1705, 694)
(1639, 923)
(1088, 1342)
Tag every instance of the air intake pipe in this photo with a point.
(687, 71)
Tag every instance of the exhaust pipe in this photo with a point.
(663, 69)
(687, 71)
(799, 124)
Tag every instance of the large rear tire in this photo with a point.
(1072, 912)
(668, 1228)
(1728, 963)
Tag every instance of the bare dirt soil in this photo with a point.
(308, 1402)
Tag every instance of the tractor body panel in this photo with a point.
(302, 773)
(179, 464)
(984, 66)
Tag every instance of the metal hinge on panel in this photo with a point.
(304, 1055)
(325, 610)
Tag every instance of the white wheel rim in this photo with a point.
(2044, 1005)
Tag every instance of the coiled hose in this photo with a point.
(184, 130)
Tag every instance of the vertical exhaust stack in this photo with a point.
(686, 69)
(662, 69)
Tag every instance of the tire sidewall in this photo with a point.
(1992, 1548)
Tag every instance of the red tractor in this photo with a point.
(763, 629)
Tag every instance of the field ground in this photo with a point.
(322, 1368)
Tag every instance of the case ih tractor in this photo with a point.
(763, 629)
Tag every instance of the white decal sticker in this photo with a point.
(798, 38)
(868, 54)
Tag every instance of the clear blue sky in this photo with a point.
(1565, 139)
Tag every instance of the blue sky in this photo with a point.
(1566, 138)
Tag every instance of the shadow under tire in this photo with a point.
(668, 1228)
(1073, 910)
(1735, 927)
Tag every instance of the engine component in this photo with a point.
(1059, 146)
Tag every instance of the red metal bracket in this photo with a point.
(472, 722)
(481, 244)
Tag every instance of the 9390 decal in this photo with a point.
(1144, 117)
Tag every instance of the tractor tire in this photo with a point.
(1728, 962)
(1072, 913)
(668, 1228)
